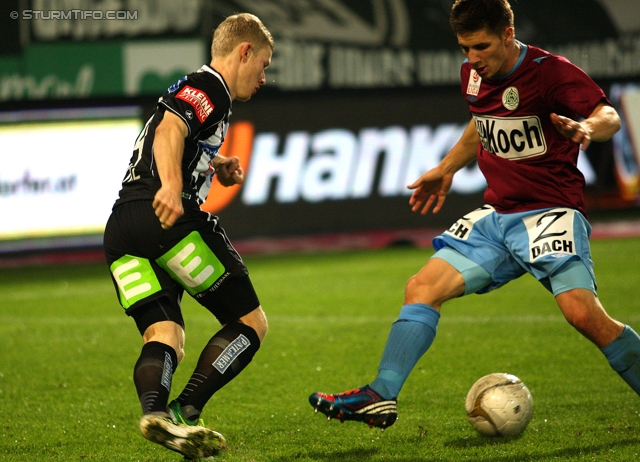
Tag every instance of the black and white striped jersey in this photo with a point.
(202, 100)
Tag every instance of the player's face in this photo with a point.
(489, 54)
(251, 74)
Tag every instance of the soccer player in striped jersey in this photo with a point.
(159, 243)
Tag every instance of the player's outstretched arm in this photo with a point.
(433, 186)
(600, 126)
(168, 147)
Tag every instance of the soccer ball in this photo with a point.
(499, 404)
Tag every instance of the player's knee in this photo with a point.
(421, 290)
(169, 333)
(257, 320)
(414, 287)
(180, 355)
(262, 328)
(432, 289)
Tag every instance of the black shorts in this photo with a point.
(149, 263)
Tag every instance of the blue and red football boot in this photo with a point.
(362, 405)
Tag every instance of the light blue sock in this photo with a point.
(623, 355)
(410, 337)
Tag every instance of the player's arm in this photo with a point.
(435, 184)
(600, 126)
(168, 147)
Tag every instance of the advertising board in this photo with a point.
(61, 169)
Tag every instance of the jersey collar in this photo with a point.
(523, 53)
(210, 70)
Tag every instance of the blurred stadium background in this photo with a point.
(362, 97)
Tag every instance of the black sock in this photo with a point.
(225, 356)
(152, 376)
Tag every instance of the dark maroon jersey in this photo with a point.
(528, 164)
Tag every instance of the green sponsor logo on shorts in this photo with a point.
(192, 264)
(135, 279)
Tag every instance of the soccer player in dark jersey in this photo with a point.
(525, 132)
(159, 243)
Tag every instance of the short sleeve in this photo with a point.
(193, 105)
(568, 89)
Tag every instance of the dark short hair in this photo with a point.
(475, 15)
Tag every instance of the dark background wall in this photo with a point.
(362, 96)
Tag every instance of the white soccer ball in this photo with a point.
(499, 404)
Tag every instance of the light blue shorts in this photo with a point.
(490, 249)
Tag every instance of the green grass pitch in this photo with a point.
(67, 354)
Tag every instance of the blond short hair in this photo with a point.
(239, 28)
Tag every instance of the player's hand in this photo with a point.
(431, 187)
(168, 206)
(572, 129)
(228, 170)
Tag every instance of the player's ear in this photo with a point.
(245, 51)
(509, 34)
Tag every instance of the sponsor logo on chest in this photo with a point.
(473, 87)
(511, 137)
(198, 99)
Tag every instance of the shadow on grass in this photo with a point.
(480, 442)
(558, 454)
(352, 454)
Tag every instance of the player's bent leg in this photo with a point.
(410, 337)
(167, 426)
(448, 274)
(159, 321)
(620, 344)
(415, 330)
(228, 352)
